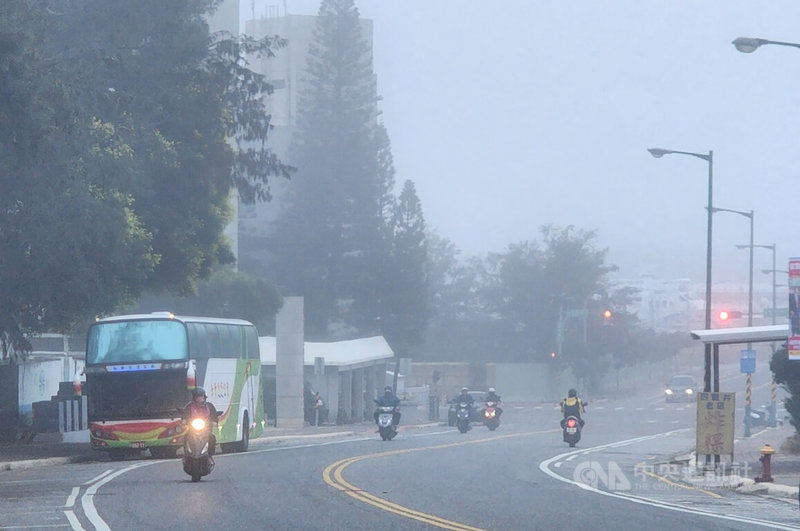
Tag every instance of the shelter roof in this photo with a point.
(337, 353)
(747, 334)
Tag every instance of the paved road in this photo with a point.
(519, 477)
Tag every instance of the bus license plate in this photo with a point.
(138, 445)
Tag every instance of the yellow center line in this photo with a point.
(338, 482)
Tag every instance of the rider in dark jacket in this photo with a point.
(199, 407)
(389, 400)
(492, 396)
(463, 397)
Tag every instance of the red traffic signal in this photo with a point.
(725, 315)
(607, 314)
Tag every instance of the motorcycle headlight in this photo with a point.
(689, 391)
(198, 424)
(668, 391)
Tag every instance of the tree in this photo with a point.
(115, 164)
(787, 373)
(330, 242)
(225, 294)
(405, 304)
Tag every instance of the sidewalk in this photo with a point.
(45, 450)
(784, 468)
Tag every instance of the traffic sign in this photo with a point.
(747, 361)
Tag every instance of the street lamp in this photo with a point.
(658, 153)
(750, 246)
(749, 310)
(749, 44)
(774, 388)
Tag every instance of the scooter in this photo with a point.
(490, 417)
(572, 431)
(462, 417)
(197, 461)
(386, 427)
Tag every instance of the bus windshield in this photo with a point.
(136, 341)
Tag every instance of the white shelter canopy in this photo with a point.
(747, 334)
(338, 353)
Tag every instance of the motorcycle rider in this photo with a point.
(572, 406)
(200, 407)
(464, 397)
(389, 400)
(492, 396)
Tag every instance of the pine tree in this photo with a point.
(327, 246)
(406, 293)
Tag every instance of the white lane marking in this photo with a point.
(73, 521)
(544, 466)
(97, 478)
(87, 500)
(72, 496)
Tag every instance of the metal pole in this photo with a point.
(707, 367)
(774, 390)
(748, 386)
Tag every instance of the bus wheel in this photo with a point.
(164, 452)
(244, 444)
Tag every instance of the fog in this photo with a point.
(515, 114)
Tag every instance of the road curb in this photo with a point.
(32, 463)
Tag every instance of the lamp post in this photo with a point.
(750, 44)
(658, 153)
(749, 382)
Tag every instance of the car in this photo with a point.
(475, 412)
(681, 387)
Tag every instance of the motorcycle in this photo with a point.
(197, 461)
(462, 417)
(386, 427)
(572, 431)
(490, 416)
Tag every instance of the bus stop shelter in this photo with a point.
(729, 336)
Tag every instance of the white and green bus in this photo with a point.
(140, 372)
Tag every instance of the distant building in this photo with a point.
(678, 305)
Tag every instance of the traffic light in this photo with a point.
(727, 315)
(607, 314)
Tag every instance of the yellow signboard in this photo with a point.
(715, 423)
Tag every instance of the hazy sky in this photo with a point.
(510, 115)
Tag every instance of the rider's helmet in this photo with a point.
(572, 393)
(464, 390)
(199, 391)
(491, 389)
(387, 390)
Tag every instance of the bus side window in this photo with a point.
(251, 338)
(213, 340)
(229, 341)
